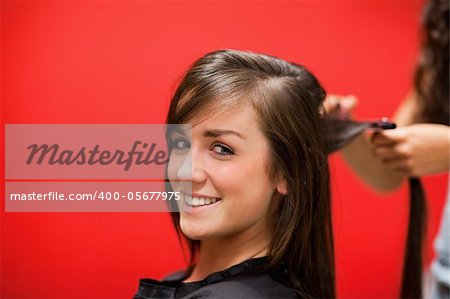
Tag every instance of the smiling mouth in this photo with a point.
(200, 201)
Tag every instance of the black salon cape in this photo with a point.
(245, 280)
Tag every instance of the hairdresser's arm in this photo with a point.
(415, 150)
(411, 150)
(359, 156)
(359, 153)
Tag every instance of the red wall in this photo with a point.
(118, 61)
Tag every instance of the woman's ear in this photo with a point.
(282, 185)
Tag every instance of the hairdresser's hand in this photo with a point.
(339, 106)
(415, 150)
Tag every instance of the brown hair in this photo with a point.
(431, 78)
(286, 97)
(431, 83)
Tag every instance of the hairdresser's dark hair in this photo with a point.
(286, 98)
(431, 79)
(431, 83)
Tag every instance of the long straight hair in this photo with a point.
(431, 84)
(286, 98)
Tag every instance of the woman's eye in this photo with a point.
(180, 144)
(222, 150)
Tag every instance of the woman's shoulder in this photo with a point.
(248, 280)
(177, 275)
(405, 114)
(252, 286)
(248, 286)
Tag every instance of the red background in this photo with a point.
(118, 62)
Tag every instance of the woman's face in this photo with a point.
(227, 188)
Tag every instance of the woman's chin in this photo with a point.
(195, 232)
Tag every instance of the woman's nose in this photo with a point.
(192, 168)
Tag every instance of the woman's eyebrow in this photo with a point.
(217, 133)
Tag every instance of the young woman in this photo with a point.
(253, 174)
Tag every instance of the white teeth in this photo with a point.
(199, 201)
